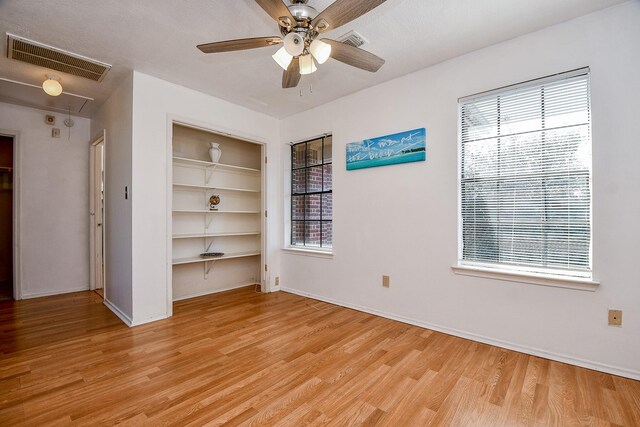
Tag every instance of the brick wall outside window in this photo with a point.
(311, 193)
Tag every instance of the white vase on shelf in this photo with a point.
(215, 152)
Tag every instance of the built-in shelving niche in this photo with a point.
(235, 229)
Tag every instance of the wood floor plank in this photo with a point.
(245, 358)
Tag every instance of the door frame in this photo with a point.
(17, 266)
(100, 139)
(265, 285)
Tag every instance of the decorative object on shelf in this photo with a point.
(214, 200)
(211, 254)
(215, 152)
(403, 147)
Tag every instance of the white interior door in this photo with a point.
(96, 213)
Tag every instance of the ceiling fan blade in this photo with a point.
(277, 10)
(354, 56)
(291, 77)
(341, 12)
(240, 44)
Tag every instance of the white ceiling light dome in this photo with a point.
(282, 58)
(307, 65)
(320, 50)
(52, 85)
(294, 44)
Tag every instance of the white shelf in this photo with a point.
(206, 211)
(209, 187)
(192, 260)
(198, 236)
(203, 164)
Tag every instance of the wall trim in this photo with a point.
(529, 278)
(217, 291)
(27, 295)
(126, 319)
(308, 252)
(136, 322)
(583, 363)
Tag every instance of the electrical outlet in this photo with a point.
(385, 281)
(277, 281)
(615, 317)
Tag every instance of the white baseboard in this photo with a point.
(216, 291)
(589, 364)
(138, 322)
(126, 319)
(27, 295)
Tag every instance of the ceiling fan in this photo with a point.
(301, 25)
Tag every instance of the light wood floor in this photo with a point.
(279, 359)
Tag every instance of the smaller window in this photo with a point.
(311, 194)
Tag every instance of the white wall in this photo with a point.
(402, 220)
(54, 205)
(155, 102)
(115, 116)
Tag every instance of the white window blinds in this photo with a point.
(525, 187)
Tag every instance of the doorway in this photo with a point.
(6, 217)
(96, 215)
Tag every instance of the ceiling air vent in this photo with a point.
(353, 39)
(56, 59)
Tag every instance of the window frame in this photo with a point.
(538, 275)
(303, 249)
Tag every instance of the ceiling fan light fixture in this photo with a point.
(300, 25)
(282, 58)
(52, 85)
(294, 44)
(320, 50)
(307, 64)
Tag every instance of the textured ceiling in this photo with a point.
(158, 37)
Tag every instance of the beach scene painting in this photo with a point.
(404, 147)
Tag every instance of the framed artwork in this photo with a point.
(403, 147)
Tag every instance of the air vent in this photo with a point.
(56, 59)
(353, 39)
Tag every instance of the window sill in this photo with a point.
(530, 278)
(318, 253)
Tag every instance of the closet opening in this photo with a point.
(6, 217)
(217, 214)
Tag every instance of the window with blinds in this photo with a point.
(525, 183)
